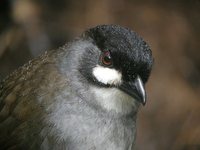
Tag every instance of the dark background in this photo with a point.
(171, 118)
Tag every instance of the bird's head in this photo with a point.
(117, 60)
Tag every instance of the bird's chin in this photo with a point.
(113, 99)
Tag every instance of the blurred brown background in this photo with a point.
(171, 118)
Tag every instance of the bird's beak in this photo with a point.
(135, 89)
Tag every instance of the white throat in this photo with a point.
(113, 99)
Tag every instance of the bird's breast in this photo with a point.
(94, 132)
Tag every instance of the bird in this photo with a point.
(84, 95)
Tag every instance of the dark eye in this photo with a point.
(106, 59)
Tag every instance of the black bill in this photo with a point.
(135, 89)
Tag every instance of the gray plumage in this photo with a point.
(52, 102)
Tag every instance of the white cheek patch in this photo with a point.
(107, 75)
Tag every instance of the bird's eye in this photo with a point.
(106, 59)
